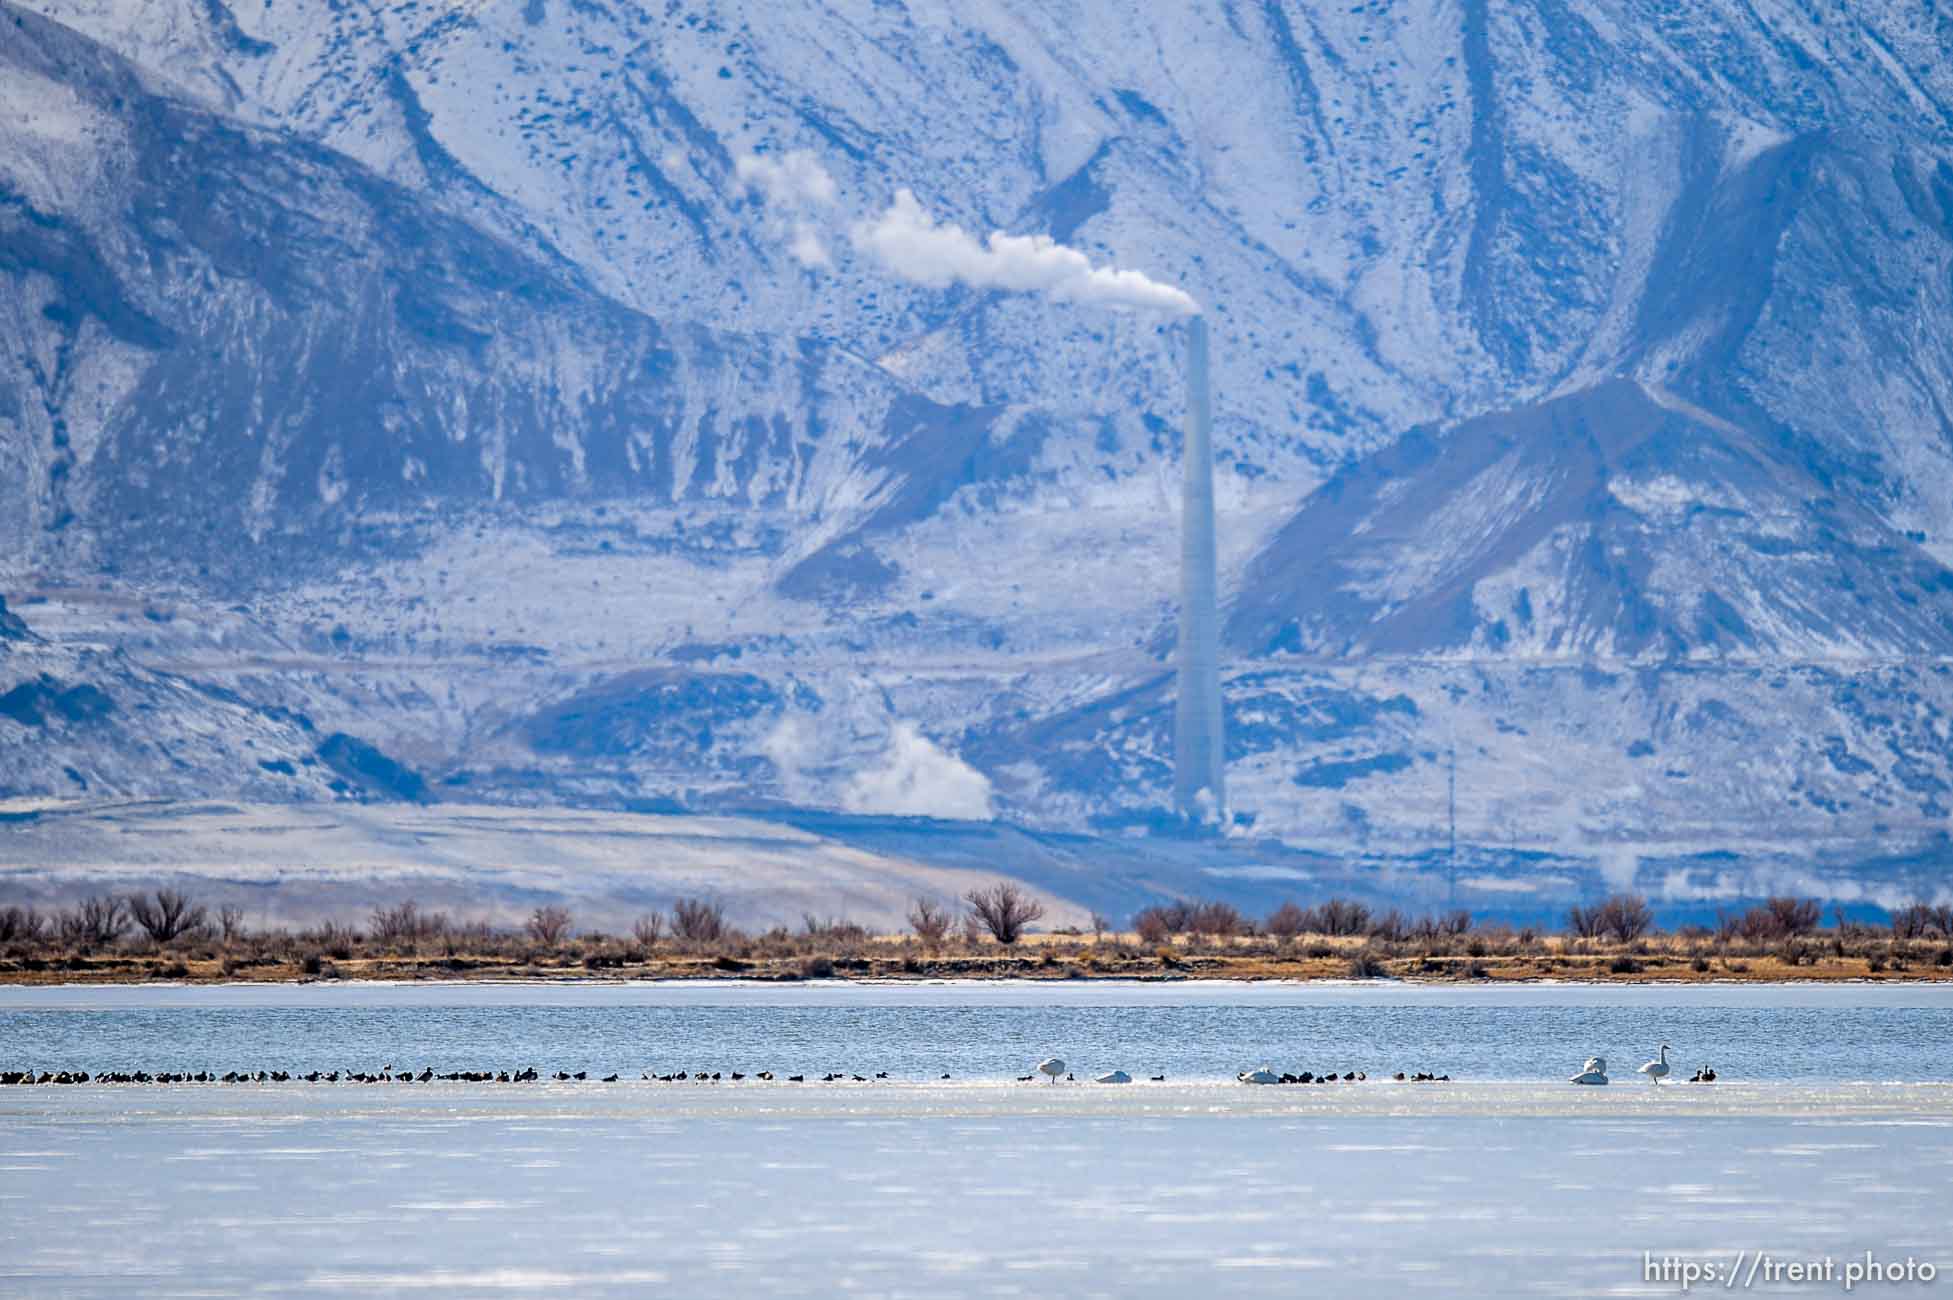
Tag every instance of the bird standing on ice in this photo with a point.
(1593, 1072)
(1051, 1066)
(1657, 1070)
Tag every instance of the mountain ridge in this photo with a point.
(432, 374)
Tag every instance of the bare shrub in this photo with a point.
(1585, 922)
(930, 922)
(1004, 910)
(1365, 965)
(20, 925)
(405, 927)
(1340, 916)
(548, 926)
(648, 929)
(818, 967)
(1286, 921)
(230, 923)
(1621, 917)
(1774, 920)
(1220, 920)
(336, 941)
(1921, 920)
(478, 938)
(698, 920)
(1165, 920)
(1100, 924)
(834, 931)
(94, 922)
(1174, 918)
(1455, 922)
(1391, 926)
(1625, 965)
(1625, 917)
(1794, 915)
(167, 916)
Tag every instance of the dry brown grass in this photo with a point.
(1334, 940)
(837, 950)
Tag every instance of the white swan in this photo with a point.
(1593, 1072)
(1117, 1076)
(1657, 1070)
(1263, 1075)
(1052, 1066)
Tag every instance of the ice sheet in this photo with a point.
(954, 1189)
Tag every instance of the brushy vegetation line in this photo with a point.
(169, 935)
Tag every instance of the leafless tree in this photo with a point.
(1100, 924)
(404, 925)
(1586, 922)
(548, 926)
(1794, 915)
(930, 922)
(1217, 919)
(1626, 917)
(230, 923)
(648, 929)
(1341, 916)
(1160, 922)
(168, 916)
(1776, 918)
(1391, 926)
(1286, 921)
(22, 923)
(698, 920)
(94, 922)
(1004, 910)
(1920, 920)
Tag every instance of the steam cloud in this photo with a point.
(938, 254)
(916, 779)
(795, 184)
(791, 178)
(910, 776)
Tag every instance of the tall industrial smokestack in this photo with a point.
(1199, 766)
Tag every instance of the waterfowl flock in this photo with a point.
(1053, 1070)
(1594, 1072)
(1267, 1076)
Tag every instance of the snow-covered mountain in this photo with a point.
(434, 373)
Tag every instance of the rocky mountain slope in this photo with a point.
(437, 374)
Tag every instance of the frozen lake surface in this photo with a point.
(1495, 1184)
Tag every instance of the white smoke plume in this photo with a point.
(938, 254)
(792, 178)
(916, 779)
(793, 183)
(807, 247)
